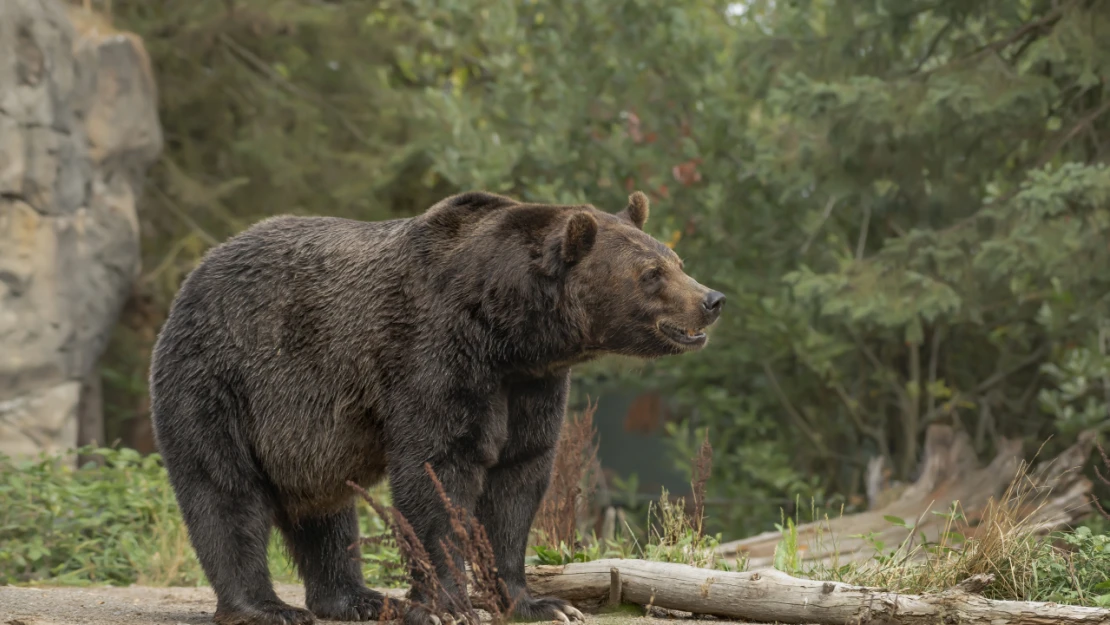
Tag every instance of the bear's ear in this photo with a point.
(637, 210)
(578, 237)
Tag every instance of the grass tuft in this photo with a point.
(1005, 542)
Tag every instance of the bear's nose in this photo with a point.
(713, 302)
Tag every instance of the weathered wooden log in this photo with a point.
(775, 597)
(1057, 495)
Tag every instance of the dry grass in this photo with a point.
(573, 481)
(472, 546)
(416, 559)
(1005, 543)
(173, 561)
(703, 467)
(676, 532)
(467, 543)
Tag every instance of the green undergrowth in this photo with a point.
(1071, 567)
(671, 536)
(1064, 567)
(119, 524)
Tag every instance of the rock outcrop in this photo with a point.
(78, 129)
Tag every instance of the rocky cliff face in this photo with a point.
(78, 129)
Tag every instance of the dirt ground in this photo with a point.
(139, 605)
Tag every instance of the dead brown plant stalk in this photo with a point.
(472, 546)
(703, 467)
(412, 552)
(573, 480)
(468, 543)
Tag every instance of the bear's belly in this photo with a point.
(310, 460)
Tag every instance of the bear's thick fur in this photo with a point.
(309, 351)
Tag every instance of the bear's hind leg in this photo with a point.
(230, 532)
(334, 587)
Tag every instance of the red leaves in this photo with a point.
(687, 173)
(634, 128)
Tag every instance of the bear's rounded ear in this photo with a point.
(578, 237)
(637, 210)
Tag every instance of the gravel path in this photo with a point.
(138, 605)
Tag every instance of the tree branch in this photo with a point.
(799, 421)
(257, 64)
(861, 244)
(996, 378)
(912, 412)
(1049, 19)
(867, 351)
(853, 412)
(932, 46)
(1083, 123)
(824, 217)
(934, 351)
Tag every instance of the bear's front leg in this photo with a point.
(515, 488)
(415, 497)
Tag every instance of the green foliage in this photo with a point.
(671, 536)
(381, 559)
(947, 222)
(1080, 572)
(119, 524)
(904, 201)
(1066, 567)
(1079, 399)
(582, 551)
(674, 537)
(787, 558)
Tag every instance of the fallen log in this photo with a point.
(1056, 495)
(773, 596)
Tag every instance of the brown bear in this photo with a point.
(309, 351)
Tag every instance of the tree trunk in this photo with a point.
(90, 416)
(772, 596)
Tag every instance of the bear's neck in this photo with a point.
(530, 339)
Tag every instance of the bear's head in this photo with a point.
(561, 283)
(635, 297)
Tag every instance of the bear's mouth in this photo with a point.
(687, 337)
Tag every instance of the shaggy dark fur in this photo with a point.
(306, 352)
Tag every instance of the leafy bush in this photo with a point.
(119, 524)
(116, 524)
(1079, 572)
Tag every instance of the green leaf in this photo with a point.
(893, 520)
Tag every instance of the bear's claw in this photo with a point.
(561, 615)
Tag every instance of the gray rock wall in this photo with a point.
(78, 130)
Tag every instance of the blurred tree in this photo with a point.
(903, 199)
(948, 159)
(268, 107)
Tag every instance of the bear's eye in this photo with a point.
(653, 274)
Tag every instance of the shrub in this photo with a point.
(116, 524)
(119, 524)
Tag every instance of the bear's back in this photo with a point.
(299, 284)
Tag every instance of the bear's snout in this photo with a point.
(712, 304)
